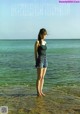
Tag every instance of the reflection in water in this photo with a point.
(40, 105)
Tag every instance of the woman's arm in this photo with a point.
(35, 49)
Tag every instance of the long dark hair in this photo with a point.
(42, 31)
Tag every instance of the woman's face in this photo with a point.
(44, 36)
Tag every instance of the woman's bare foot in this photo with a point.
(39, 94)
(43, 94)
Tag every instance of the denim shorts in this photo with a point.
(42, 62)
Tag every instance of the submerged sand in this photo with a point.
(58, 100)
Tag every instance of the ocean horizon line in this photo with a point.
(46, 39)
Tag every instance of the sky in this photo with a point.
(22, 19)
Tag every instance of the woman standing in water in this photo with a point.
(41, 60)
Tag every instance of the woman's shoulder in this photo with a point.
(37, 42)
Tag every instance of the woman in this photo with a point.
(41, 60)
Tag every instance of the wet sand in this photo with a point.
(58, 100)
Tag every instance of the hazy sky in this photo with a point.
(22, 19)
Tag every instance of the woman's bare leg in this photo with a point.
(39, 79)
(42, 81)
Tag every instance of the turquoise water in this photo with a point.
(17, 63)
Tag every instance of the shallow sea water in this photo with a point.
(18, 77)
